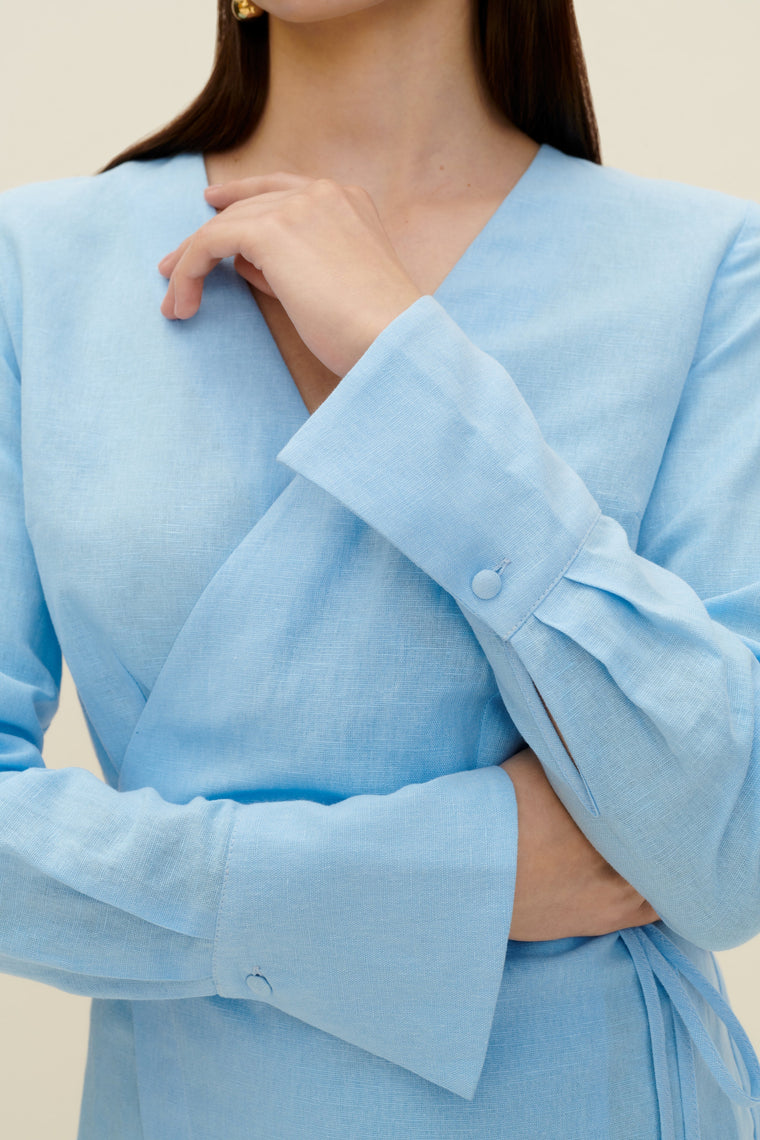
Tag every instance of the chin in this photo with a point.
(311, 11)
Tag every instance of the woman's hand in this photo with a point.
(317, 246)
(564, 887)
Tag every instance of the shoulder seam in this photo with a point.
(726, 254)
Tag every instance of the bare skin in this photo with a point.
(375, 165)
(564, 887)
(357, 91)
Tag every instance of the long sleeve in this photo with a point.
(100, 893)
(646, 658)
(381, 919)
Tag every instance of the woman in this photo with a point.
(400, 532)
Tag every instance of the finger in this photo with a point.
(167, 263)
(187, 291)
(210, 245)
(167, 305)
(222, 194)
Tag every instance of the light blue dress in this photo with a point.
(304, 644)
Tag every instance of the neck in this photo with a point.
(388, 98)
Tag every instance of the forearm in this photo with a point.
(564, 888)
(646, 689)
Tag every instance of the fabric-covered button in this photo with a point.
(258, 985)
(486, 584)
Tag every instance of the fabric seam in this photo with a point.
(521, 622)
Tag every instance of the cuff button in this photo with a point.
(486, 584)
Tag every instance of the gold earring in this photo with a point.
(244, 10)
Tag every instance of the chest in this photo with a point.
(151, 475)
(150, 447)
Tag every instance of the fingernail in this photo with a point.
(214, 186)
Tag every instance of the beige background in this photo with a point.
(677, 92)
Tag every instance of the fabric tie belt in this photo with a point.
(658, 959)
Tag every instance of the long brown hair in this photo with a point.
(529, 56)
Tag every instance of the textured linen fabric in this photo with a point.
(303, 645)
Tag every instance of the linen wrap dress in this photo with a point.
(304, 644)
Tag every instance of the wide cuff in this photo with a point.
(428, 440)
(382, 920)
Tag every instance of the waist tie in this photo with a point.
(657, 959)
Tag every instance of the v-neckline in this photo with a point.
(445, 291)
